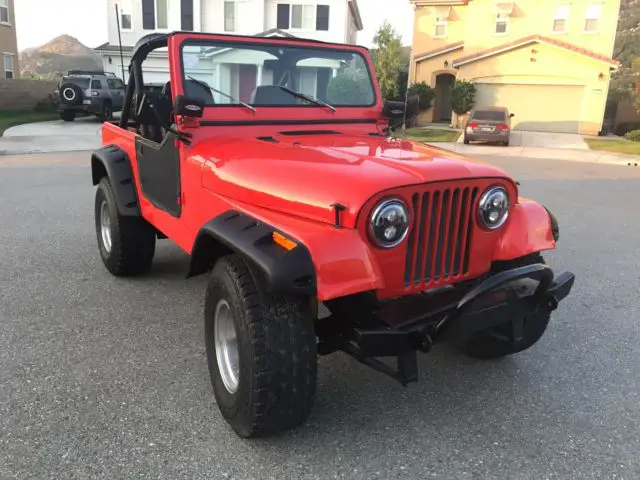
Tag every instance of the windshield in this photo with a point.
(489, 115)
(261, 75)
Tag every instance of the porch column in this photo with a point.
(334, 72)
(217, 70)
(197, 15)
(259, 76)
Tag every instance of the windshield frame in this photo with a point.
(300, 43)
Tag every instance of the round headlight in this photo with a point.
(389, 223)
(494, 207)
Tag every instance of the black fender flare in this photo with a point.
(555, 228)
(285, 271)
(113, 162)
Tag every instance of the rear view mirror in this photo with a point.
(189, 107)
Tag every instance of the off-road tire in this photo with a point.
(77, 94)
(133, 240)
(493, 343)
(277, 352)
(106, 114)
(68, 116)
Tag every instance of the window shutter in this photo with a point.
(148, 15)
(322, 17)
(283, 16)
(187, 15)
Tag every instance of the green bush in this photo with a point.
(624, 127)
(424, 92)
(463, 97)
(633, 136)
(345, 90)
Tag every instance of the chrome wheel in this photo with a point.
(105, 226)
(226, 344)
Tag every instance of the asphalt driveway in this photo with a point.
(521, 138)
(106, 378)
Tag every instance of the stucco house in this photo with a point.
(548, 61)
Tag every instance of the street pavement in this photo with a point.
(106, 378)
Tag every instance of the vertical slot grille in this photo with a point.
(440, 240)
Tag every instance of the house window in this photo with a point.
(561, 18)
(8, 66)
(4, 11)
(229, 16)
(162, 14)
(441, 27)
(126, 21)
(322, 17)
(502, 23)
(591, 18)
(303, 17)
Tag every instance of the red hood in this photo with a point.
(304, 175)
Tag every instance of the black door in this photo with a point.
(159, 172)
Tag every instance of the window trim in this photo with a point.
(126, 10)
(235, 16)
(501, 19)
(597, 5)
(313, 22)
(4, 56)
(557, 17)
(155, 5)
(440, 23)
(8, 8)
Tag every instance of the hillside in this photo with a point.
(61, 54)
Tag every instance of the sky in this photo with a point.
(39, 21)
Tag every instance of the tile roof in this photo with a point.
(438, 51)
(534, 39)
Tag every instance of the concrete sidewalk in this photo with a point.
(576, 155)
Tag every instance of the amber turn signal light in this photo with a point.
(283, 241)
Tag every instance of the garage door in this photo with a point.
(538, 108)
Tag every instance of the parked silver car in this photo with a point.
(490, 124)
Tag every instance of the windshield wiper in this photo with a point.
(307, 98)
(206, 85)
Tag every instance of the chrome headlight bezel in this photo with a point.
(485, 199)
(378, 211)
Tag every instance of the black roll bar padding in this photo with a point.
(126, 106)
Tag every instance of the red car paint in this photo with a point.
(292, 183)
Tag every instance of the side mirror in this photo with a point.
(512, 115)
(393, 109)
(188, 107)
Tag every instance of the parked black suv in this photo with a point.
(84, 92)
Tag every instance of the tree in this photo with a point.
(387, 59)
(424, 92)
(463, 97)
(344, 90)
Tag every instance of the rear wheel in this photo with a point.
(497, 342)
(506, 143)
(127, 244)
(261, 352)
(68, 116)
(466, 141)
(107, 113)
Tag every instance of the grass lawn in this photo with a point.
(428, 135)
(615, 146)
(10, 118)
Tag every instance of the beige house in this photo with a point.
(547, 61)
(8, 42)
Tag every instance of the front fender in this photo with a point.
(113, 162)
(329, 262)
(531, 228)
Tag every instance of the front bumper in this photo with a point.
(416, 322)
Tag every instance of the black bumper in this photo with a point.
(94, 108)
(416, 322)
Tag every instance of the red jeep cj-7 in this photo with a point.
(270, 162)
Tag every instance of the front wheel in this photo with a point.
(498, 341)
(261, 352)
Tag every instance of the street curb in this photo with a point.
(586, 156)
